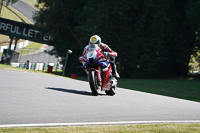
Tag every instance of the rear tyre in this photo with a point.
(93, 83)
(112, 91)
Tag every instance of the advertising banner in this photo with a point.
(23, 31)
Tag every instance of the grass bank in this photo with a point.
(10, 13)
(184, 88)
(188, 88)
(137, 128)
(31, 3)
(34, 46)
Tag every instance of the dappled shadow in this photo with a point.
(71, 91)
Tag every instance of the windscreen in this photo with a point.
(93, 47)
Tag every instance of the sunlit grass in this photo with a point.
(32, 3)
(31, 48)
(185, 88)
(180, 88)
(5, 13)
(34, 45)
(136, 128)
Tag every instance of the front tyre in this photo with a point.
(93, 83)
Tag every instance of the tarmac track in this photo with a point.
(47, 100)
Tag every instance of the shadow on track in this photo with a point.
(71, 91)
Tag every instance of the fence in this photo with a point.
(37, 56)
(39, 66)
(19, 45)
(38, 60)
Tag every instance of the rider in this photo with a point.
(95, 39)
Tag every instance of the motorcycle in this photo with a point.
(97, 66)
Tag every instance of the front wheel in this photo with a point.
(93, 83)
(112, 91)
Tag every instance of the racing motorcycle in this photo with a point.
(97, 67)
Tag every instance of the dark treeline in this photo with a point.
(153, 38)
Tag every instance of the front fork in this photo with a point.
(98, 73)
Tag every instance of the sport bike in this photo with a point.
(97, 67)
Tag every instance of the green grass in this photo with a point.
(5, 13)
(32, 48)
(32, 3)
(33, 45)
(136, 128)
(19, 16)
(186, 88)
(11, 68)
(180, 88)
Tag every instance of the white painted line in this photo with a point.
(95, 123)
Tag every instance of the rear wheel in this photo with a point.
(112, 91)
(93, 83)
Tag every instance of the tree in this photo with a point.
(153, 38)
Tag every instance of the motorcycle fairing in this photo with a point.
(106, 80)
(103, 64)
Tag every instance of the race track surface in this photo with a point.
(25, 10)
(30, 98)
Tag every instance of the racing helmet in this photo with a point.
(95, 39)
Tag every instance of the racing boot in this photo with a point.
(114, 71)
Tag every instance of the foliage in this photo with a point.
(8, 2)
(153, 38)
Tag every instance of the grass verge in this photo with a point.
(11, 68)
(184, 88)
(33, 45)
(31, 3)
(10, 13)
(188, 88)
(19, 16)
(32, 48)
(136, 128)
(4, 40)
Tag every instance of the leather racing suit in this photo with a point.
(112, 54)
